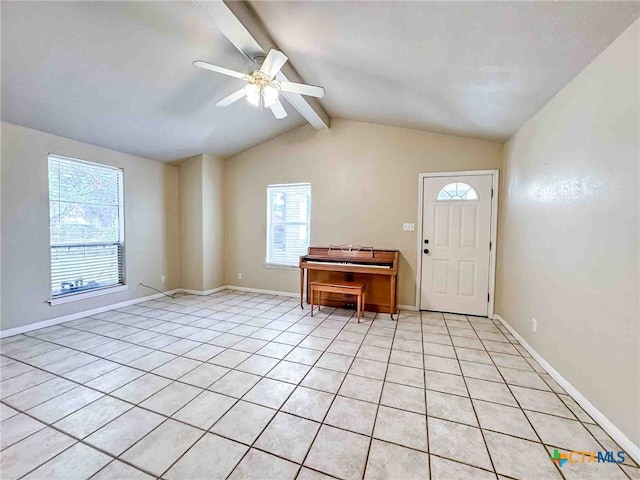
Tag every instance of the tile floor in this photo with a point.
(238, 385)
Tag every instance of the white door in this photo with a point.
(456, 231)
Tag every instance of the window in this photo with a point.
(288, 214)
(457, 191)
(86, 226)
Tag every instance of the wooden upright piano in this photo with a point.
(378, 269)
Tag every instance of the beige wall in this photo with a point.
(201, 222)
(568, 243)
(364, 186)
(151, 224)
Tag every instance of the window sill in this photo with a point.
(281, 266)
(84, 295)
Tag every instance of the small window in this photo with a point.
(288, 227)
(457, 191)
(86, 226)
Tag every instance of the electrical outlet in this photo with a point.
(409, 227)
(534, 324)
(239, 276)
(163, 279)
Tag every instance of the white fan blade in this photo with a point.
(278, 110)
(273, 63)
(217, 69)
(234, 97)
(302, 89)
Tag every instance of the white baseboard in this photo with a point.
(74, 316)
(260, 290)
(203, 292)
(620, 438)
(411, 308)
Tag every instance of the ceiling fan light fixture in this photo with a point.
(270, 95)
(252, 92)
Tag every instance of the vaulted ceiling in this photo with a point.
(119, 74)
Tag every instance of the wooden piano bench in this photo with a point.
(337, 286)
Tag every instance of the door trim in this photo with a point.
(495, 181)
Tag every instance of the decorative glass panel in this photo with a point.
(457, 191)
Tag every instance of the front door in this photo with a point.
(456, 235)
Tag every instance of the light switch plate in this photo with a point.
(409, 227)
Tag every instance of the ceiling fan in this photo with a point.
(262, 87)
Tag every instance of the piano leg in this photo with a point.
(301, 288)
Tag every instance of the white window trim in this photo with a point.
(284, 266)
(74, 297)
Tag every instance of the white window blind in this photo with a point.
(86, 226)
(288, 227)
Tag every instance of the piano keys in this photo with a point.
(376, 268)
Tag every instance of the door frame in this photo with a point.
(495, 182)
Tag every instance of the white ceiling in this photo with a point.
(119, 74)
(477, 69)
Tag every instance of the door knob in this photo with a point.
(426, 241)
(426, 250)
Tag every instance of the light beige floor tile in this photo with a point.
(290, 372)
(152, 361)
(288, 436)
(92, 417)
(124, 431)
(504, 419)
(539, 401)
(523, 378)
(451, 407)
(77, 463)
(308, 403)
(404, 428)
(338, 453)
(442, 469)
(562, 432)
(458, 442)
(442, 364)
(303, 355)
(269, 393)
(235, 384)
(335, 361)
(481, 371)
(157, 451)
(204, 410)
(211, 457)
(321, 379)
(361, 388)
(275, 350)
(354, 415)
(40, 393)
(413, 377)
(244, 422)
(403, 397)
(250, 345)
(171, 398)
(177, 367)
(23, 382)
(115, 379)
(445, 382)
(473, 355)
(16, 428)
(490, 391)
(7, 412)
(13, 370)
(33, 451)
(438, 349)
(257, 465)
(230, 358)
(387, 461)
(520, 458)
(308, 474)
(141, 388)
(204, 375)
(64, 404)
(257, 364)
(117, 470)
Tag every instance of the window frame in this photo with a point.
(97, 291)
(267, 262)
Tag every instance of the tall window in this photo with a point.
(86, 224)
(288, 215)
